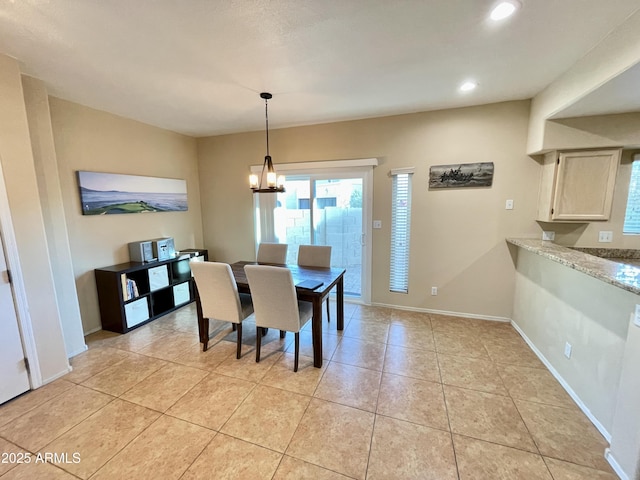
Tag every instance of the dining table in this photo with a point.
(328, 277)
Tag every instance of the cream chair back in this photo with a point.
(218, 291)
(314, 255)
(274, 297)
(218, 299)
(276, 304)
(272, 253)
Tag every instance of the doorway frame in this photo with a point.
(362, 166)
(17, 285)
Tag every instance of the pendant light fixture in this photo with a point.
(274, 183)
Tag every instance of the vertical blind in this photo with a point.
(632, 215)
(400, 230)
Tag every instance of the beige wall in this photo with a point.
(621, 130)
(46, 165)
(87, 139)
(554, 304)
(28, 225)
(457, 235)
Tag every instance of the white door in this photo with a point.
(14, 378)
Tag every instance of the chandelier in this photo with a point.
(274, 183)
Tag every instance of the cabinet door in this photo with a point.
(578, 186)
(585, 183)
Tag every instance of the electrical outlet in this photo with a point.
(434, 290)
(567, 350)
(377, 224)
(508, 205)
(549, 236)
(605, 237)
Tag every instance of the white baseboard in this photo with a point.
(615, 465)
(57, 375)
(93, 330)
(564, 384)
(444, 312)
(84, 348)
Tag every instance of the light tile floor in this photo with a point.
(400, 395)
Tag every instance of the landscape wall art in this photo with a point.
(112, 193)
(461, 175)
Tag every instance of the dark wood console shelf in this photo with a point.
(132, 294)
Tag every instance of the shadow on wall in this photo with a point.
(567, 234)
(559, 282)
(489, 293)
(86, 284)
(622, 129)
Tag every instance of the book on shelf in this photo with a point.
(123, 284)
(129, 288)
(132, 288)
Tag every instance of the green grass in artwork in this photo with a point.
(129, 207)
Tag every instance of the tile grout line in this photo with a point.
(446, 407)
(199, 455)
(520, 415)
(341, 337)
(375, 412)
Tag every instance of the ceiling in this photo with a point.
(197, 66)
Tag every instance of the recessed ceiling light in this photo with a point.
(468, 86)
(504, 9)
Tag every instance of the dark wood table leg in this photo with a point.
(340, 302)
(316, 326)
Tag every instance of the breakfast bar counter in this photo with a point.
(618, 271)
(577, 311)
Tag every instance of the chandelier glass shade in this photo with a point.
(274, 183)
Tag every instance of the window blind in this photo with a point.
(400, 230)
(632, 215)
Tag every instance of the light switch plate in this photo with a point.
(636, 317)
(508, 205)
(377, 224)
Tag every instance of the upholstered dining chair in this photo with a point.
(276, 304)
(315, 256)
(272, 253)
(219, 299)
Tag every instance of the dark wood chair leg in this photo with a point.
(258, 342)
(297, 351)
(203, 323)
(282, 333)
(239, 347)
(233, 327)
(205, 334)
(328, 311)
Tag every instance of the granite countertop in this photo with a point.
(610, 270)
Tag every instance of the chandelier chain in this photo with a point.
(266, 121)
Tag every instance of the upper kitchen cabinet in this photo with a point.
(577, 186)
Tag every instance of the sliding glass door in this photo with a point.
(322, 209)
